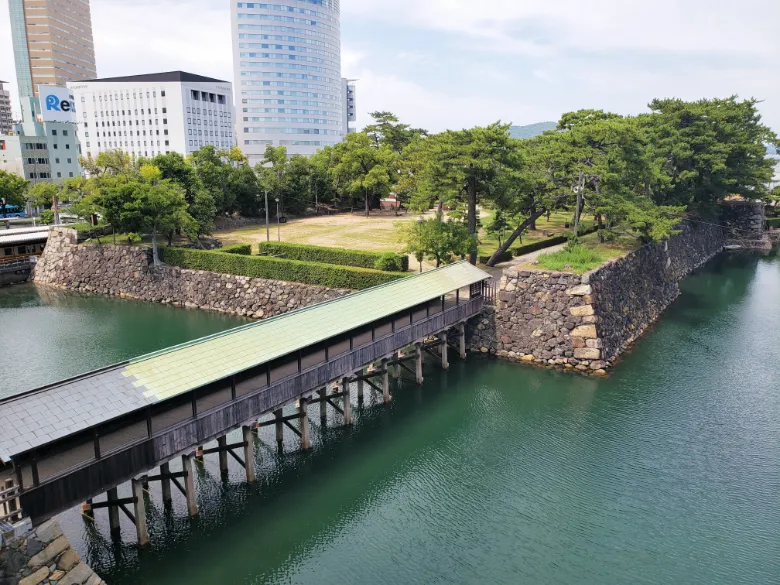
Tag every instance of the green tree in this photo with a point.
(707, 150)
(157, 206)
(272, 173)
(388, 131)
(463, 166)
(363, 168)
(43, 194)
(12, 191)
(213, 169)
(437, 240)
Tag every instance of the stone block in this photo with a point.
(68, 560)
(77, 576)
(50, 553)
(36, 578)
(48, 532)
(586, 331)
(578, 342)
(580, 290)
(581, 311)
(527, 357)
(594, 343)
(587, 353)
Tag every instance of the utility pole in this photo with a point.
(278, 223)
(267, 227)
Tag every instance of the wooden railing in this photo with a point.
(10, 510)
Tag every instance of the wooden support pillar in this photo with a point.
(397, 367)
(249, 455)
(304, 420)
(462, 340)
(418, 362)
(199, 455)
(139, 509)
(189, 486)
(445, 363)
(223, 455)
(86, 509)
(348, 420)
(113, 510)
(385, 383)
(360, 385)
(323, 404)
(165, 484)
(279, 427)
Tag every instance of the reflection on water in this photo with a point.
(47, 335)
(666, 472)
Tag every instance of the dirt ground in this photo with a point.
(378, 232)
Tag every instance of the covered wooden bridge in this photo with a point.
(69, 442)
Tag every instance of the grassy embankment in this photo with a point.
(587, 255)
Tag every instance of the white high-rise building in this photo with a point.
(153, 114)
(287, 72)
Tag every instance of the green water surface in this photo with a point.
(667, 472)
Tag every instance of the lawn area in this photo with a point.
(377, 233)
(588, 255)
(556, 225)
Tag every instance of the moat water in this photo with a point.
(666, 472)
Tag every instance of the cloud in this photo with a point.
(450, 63)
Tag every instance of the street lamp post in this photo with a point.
(278, 223)
(267, 227)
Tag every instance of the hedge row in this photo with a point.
(533, 247)
(338, 256)
(773, 222)
(277, 268)
(240, 249)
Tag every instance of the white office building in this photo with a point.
(287, 73)
(147, 115)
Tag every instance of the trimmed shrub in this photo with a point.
(389, 262)
(240, 249)
(773, 222)
(325, 255)
(540, 245)
(277, 268)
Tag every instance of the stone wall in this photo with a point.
(745, 219)
(125, 271)
(43, 556)
(585, 322)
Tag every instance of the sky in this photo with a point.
(441, 64)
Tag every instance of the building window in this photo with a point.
(165, 110)
(56, 160)
(70, 161)
(55, 147)
(165, 132)
(67, 146)
(87, 144)
(59, 175)
(54, 133)
(167, 143)
(165, 120)
(162, 93)
(70, 174)
(194, 94)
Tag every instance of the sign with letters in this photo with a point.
(57, 104)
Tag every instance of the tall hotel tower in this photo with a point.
(287, 73)
(52, 42)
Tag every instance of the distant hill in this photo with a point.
(531, 130)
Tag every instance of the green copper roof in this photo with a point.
(182, 368)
